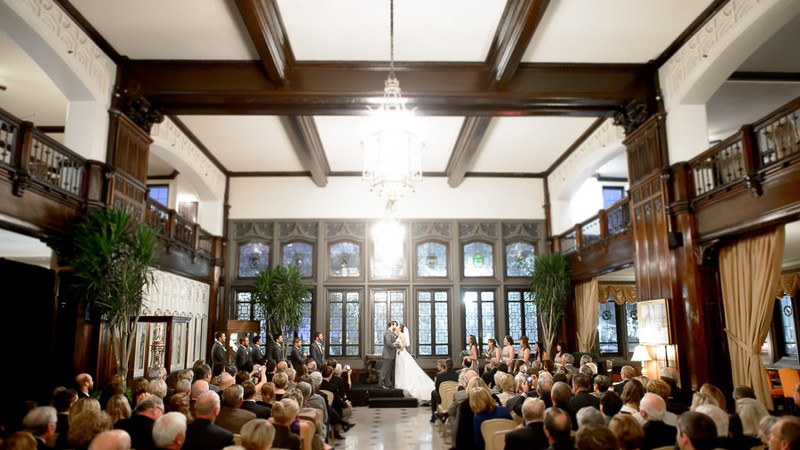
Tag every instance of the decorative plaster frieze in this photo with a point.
(168, 136)
(606, 134)
(76, 47)
(173, 295)
(683, 67)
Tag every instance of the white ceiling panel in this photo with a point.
(341, 137)
(424, 30)
(30, 94)
(527, 144)
(610, 31)
(174, 29)
(246, 143)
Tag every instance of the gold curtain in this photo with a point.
(622, 293)
(789, 284)
(750, 271)
(586, 305)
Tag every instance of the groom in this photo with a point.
(386, 380)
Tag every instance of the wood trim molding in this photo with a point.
(337, 88)
(791, 77)
(265, 26)
(303, 133)
(56, 129)
(465, 149)
(196, 141)
(517, 25)
(684, 37)
(87, 27)
(581, 139)
(170, 176)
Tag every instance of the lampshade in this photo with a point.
(640, 354)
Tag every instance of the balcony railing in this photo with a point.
(609, 222)
(755, 148)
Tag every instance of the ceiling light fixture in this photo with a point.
(392, 153)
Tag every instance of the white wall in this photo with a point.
(349, 197)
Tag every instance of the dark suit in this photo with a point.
(530, 436)
(243, 359)
(202, 434)
(232, 419)
(620, 386)
(337, 404)
(261, 411)
(256, 355)
(445, 375)
(297, 358)
(140, 428)
(658, 434)
(275, 352)
(284, 438)
(41, 445)
(317, 354)
(218, 355)
(578, 401)
(678, 394)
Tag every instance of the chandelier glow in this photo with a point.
(392, 153)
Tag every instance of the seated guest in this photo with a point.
(561, 395)
(249, 402)
(257, 435)
(765, 429)
(230, 416)
(118, 407)
(700, 398)
(557, 428)
(461, 424)
(749, 413)
(157, 388)
(626, 374)
(593, 436)
(661, 389)
(582, 386)
(111, 440)
(610, 405)
(444, 372)
(85, 426)
(656, 433)
(531, 435)
(284, 413)
(590, 415)
(62, 402)
(140, 425)
(696, 431)
(41, 422)
(507, 388)
(181, 403)
(82, 405)
(484, 408)
(169, 431)
(203, 372)
(631, 396)
(680, 396)
(202, 433)
(117, 385)
(714, 391)
(601, 384)
(281, 380)
(629, 432)
(84, 384)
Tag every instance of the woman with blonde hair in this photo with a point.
(484, 408)
(284, 414)
(257, 434)
(632, 394)
(181, 403)
(21, 440)
(83, 404)
(628, 430)
(281, 380)
(714, 391)
(750, 412)
(700, 398)
(118, 407)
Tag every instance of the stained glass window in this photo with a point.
(519, 259)
(388, 264)
(632, 326)
(479, 316)
(343, 335)
(253, 258)
(431, 260)
(345, 259)
(523, 319)
(787, 325)
(433, 337)
(607, 327)
(301, 255)
(244, 306)
(388, 305)
(478, 260)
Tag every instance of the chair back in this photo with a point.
(498, 441)
(237, 439)
(492, 426)
(789, 378)
(328, 394)
(447, 395)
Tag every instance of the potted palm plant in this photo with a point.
(551, 286)
(112, 257)
(280, 291)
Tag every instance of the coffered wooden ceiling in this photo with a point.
(281, 87)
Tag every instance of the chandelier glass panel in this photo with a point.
(392, 152)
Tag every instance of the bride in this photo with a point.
(408, 375)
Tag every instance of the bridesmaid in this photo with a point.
(494, 351)
(507, 354)
(524, 349)
(538, 351)
(560, 350)
(472, 348)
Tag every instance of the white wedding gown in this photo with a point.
(409, 376)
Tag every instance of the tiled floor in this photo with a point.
(392, 429)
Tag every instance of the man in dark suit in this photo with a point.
(296, 355)
(656, 433)
(532, 434)
(249, 402)
(445, 372)
(582, 387)
(202, 433)
(41, 423)
(557, 428)
(256, 355)
(678, 396)
(316, 349)
(275, 348)
(230, 416)
(140, 425)
(243, 355)
(218, 353)
(386, 379)
(626, 374)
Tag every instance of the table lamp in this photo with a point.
(640, 354)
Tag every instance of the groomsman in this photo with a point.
(275, 348)
(243, 355)
(317, 350)
(296, 355)
(218, 353)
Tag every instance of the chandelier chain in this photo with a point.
(391, 38)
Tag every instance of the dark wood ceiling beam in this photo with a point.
(517, 26)
(303, 133)
(265, 26)
(437, 89)
(772, 77)
(466, 148)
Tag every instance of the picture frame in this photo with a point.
(653, 319)
(188, 210)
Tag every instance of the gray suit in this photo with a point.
(387, 365)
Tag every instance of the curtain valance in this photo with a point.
(622, 293)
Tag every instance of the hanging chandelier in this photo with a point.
(393, 152)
